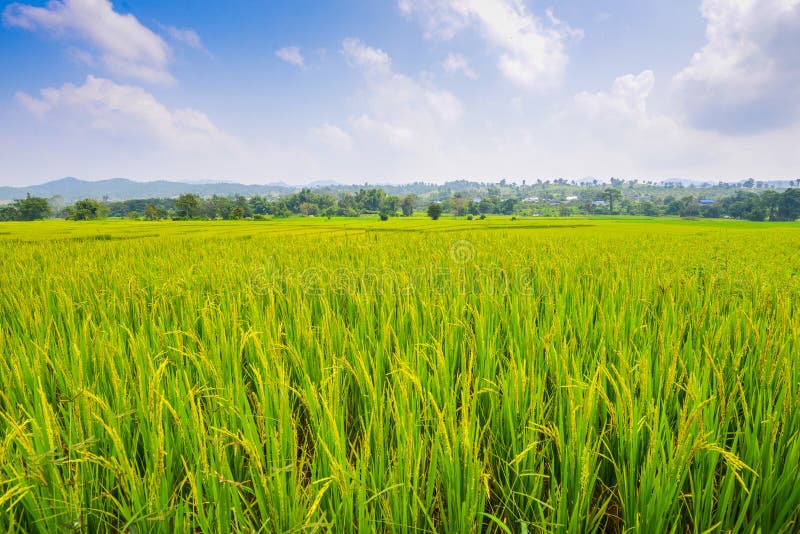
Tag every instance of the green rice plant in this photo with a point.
(402, 376)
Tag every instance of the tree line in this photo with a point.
(748, 205)
(768, 205)
(33, 208)
(305, 202)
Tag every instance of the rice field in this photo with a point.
(355, 376)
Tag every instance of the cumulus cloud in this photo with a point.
(615, 129)
(456, 63)
(123, 45)
(626, 100)
(332, 136)
(123, 110)
(291, 54)
(406, 113)
(186, 36)
(747, 76)
(532, 51)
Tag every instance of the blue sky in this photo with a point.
(399, 90)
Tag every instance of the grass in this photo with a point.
(538, 375)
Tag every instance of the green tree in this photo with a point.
(435, 210)
(744, 205)
(771, 201)
(86, 210)
(348, 205)
(32, 208)
(188, 205)
(388, 208)
(8, 213)
(486, 206)
(260, 205)
(370, 200)
(789, 207)
(153, 213)
(390, 205)
(459, 206)
(307, 208)
(408, 206)
(219, 207)
(612, 195)
(711, 212)
(649, 209)
(237, 213)
(280, 211)
(689, 207)
(242, 207)
(674, 207)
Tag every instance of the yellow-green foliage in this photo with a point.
(401, 376)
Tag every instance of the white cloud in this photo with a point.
(747, 76)
(39, 108)
(627, 99)
(404, 112)
(532, 51)
(332, 136)
(616, 133)
(440, 18)
(443, 104)
(455, 63)
(291, 54)
(371, 60)
(81, 56)
(127, 111)
(125, 47)
(186, 36)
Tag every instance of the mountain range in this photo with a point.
(72, 189)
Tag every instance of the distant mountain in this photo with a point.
(72, 189)
(323, 183)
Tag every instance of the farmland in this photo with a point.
(348, 375)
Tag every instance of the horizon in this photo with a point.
(590, 181)
(399, 91)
